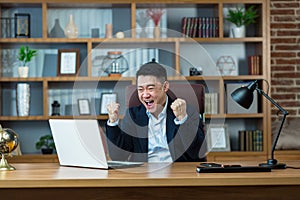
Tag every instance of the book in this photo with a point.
(183, 26)
(250, 140)
(254, 65)
(211, 103)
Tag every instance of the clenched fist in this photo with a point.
(179, 108)
(113, 112)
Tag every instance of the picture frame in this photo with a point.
(107, 98)
(84, 107)
(68, 62)
(22, 25)
(218, 137)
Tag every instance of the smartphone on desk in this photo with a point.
(213, 165)
(210, 164)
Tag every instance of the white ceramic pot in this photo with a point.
(23, 72)
(238, 32)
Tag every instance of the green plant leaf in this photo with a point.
(45, 141)
(241, 17)
(26, 54)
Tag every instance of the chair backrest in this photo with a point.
(192, 93)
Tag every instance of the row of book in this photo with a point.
(250, 140)
(254, 65)
(211, 103)
(201, 27)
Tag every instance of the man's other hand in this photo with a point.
(113, 112)
(179, 108)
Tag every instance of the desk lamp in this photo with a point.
(244, 97)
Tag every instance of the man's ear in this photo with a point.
(166, 86)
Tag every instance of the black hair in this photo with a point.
(153, 69)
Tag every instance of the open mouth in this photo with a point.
(149, 103)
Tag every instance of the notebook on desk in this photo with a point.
(78, 143)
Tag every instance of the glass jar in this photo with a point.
(55, 108)
(114, 63)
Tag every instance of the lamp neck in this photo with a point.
(284, 112)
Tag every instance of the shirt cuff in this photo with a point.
(113, 124)
(177, 122)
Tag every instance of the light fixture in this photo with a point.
(244, 97)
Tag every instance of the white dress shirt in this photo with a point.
(158, 149)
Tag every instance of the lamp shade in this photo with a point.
(244, 95)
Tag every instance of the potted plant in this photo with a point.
(25, 55)
(46, 144)
(241, 18)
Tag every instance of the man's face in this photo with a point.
(152, 93)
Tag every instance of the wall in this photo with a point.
(285, 62)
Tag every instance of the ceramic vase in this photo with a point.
(71, 30)
(156, 32)
(238, 32)
(23, 99)
(108, 30)
(23, 71)
(142, 19)
(57, 31)
(143, 33)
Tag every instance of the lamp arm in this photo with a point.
(284, 112)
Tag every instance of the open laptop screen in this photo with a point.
(78, 143)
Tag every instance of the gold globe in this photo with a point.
(8, 142)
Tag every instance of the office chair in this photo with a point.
(194, 94)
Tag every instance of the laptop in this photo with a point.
(78, 143)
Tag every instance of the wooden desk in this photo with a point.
(177, 181)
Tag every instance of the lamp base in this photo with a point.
(273, 164)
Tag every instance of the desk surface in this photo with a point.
(50, 175)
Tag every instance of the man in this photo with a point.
(161, 129)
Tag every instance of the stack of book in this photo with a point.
(201, 27)
(211, 103)
(254, 65)
(250, 140)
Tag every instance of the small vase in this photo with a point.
(238, 32)
(57, 31)
(71, 30)
(143, 33)
(108, 30)
(156, 32)
(23, 72)
(23, 99)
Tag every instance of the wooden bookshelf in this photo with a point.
(257, 42)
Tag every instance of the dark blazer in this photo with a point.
(129, 140)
